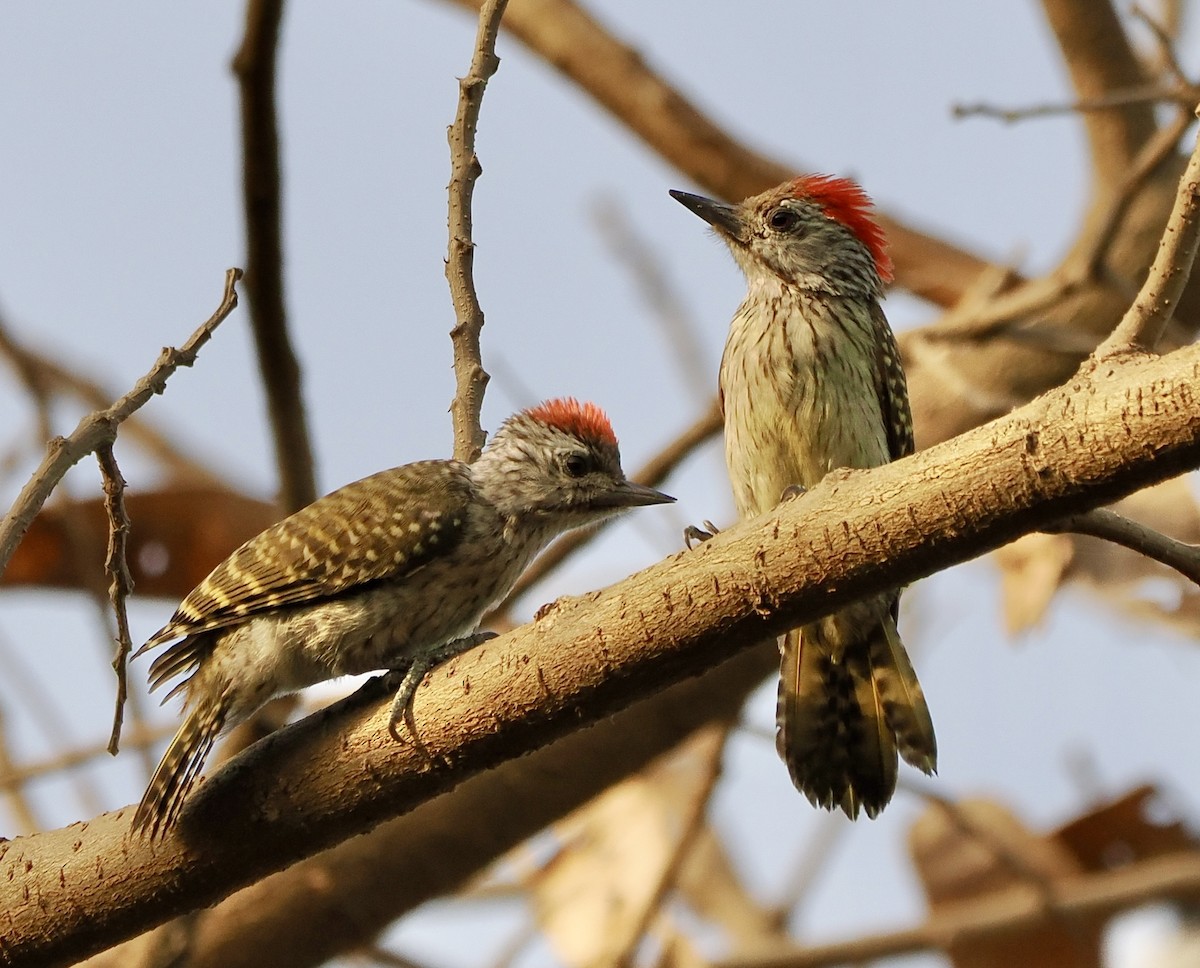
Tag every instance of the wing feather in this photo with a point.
(381, 527)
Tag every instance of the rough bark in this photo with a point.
(1120, 424)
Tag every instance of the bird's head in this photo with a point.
(814, 232)
(560, 461)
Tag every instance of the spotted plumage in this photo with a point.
(391, 572)
(811, 380)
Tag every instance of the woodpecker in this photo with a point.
(390, 572)
(810, 381)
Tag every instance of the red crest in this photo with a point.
(844, 201)
(583, 420)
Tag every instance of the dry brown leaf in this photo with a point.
(977, 847)
(1034, 568)
(677, 950)
(715, 892)
(178, 535)
(1122, 831)
(591, 899)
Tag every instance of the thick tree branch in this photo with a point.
(341, 898)
(1121, 424)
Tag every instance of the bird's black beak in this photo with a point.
(724, 218)
(630, 495)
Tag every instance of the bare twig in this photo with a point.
(1166, 33)
(831, 829)
(1101, 60)
(100, 427)
(470, 377)
(120, 581)
(652, 473)
(43, 375)
(42, 702)
(14, 793)
(1143, 324)
(1086, 897)
(1183, 94)
(1111, 526)
(254, 66)
(623, 82)
(16, 774)
(1014, 312)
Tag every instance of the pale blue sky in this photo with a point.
(121, 202)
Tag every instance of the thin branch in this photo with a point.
(470, 377)
(1114, 527)
(623, 82)
(1145, 321)
(692, 822)
(1166, 34)
(1013, 313)
(42, 375)
(254, 66)
(120, 581)
(1182, 94)
(100, 428)
(1083, 898)
(1008, 854)
(42, 703)
(831, 829)
(652, 473)
(1101, 60)
(21, 806)
(15, 775)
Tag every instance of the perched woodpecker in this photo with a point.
(811, 380)
(390, 572)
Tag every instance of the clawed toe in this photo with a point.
(693, 535)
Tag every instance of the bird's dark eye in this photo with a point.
(783, 220)
(576, 465)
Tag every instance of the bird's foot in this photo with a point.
(693, 536)
(412, 670)
(793, 491)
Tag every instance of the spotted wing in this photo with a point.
(382, 527)
(892, 387)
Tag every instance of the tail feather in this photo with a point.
(843, 716)
(871, 771)
(810, 711)
(183, 656)
(904, 703)
(179, 769)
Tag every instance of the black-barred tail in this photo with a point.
(842, 719)
(179, 768)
